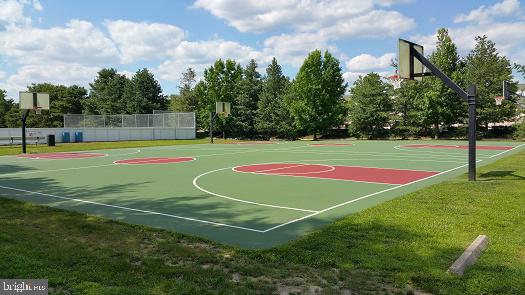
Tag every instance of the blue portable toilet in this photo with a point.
(79, 137)
(65, 137)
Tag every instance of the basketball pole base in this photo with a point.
(24, 119)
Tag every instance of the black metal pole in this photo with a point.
(470, 97)
(472, 133)
(212, 117)
(24, 118)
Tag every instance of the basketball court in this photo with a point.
(250, 194)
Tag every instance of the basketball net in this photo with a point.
(499, 100)
(38, 110)
(395, 80)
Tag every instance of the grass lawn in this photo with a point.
(399, 246)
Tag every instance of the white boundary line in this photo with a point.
(420, 155)
(54, 159)
(55, 170)
(132, 209)
(149, 161)
(360, 198)
(498, 154)
(239, 200)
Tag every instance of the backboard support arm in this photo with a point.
(469, 96)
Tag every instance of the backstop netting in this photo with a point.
(158, 120)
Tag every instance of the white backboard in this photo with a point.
(33, 100)
(404, 57)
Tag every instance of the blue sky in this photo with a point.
(67, 42)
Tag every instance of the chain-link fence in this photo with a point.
(163, 120)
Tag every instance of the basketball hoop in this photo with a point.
(499, 100)
(395, 80)
(38, 110)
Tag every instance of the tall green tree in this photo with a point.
(221, 83)
(487, 69)
(250, 87)
(407, 112)
(186, 100)
(370, 106)
(273, 117)
(106, 93)
(441, 105)
(317, 102)
(143, 94)
(5, 106)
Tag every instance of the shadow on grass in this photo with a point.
(500, 175)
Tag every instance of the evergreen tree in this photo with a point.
(106, 93)
(186, 100)
(246, 101)
(441, 104)
(143, 94)
(272, 116)
(220, 84)
(370, 106)
(317, 102)
(486, 69)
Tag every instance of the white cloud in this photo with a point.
(484, 14)
(377, 23)
(365, 62)
(507, 36)
(78, 42)
(56, 73)
(202, 54)
(292, 49)
(37, 5)
(144, 41)
(12, 12)
(351, 77)
(310, 16)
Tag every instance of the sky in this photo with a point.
(67, 42)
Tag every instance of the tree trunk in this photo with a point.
(436, 130)
(315, 135)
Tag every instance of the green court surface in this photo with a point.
(249, 195)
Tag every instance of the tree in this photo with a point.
(441, 105)
(370, 106)
(106, 93)
(272, 116)
(317, 102)
(62, 99)
(406, 104)
(250, 87)
(486, 69)
(220, 84)
(203, 107)
(5, 107)
(143, 94)
(186, 100)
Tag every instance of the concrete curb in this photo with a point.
(470, 255)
